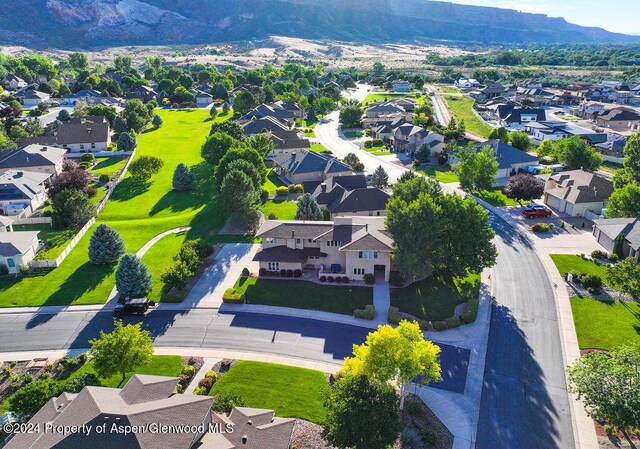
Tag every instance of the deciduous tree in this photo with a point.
(71, 208)
(626, 276)
(228, 127)
(624, 202)
(246, 153)
(500, 133)
(523, 187)
(354, 162)
(476, 170)
(576, 154)
(239, 197)
(350, 116)
(144, 167)
(520, 140)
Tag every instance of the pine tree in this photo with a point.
(120, 125)
(132, 277)
(380, 178)
(183, 178)
(106, 246)
(225, 108)
(213, 112)
(311, 115)
(126, 142)
(308, 208)
(157, 121)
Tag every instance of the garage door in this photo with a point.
(554, 203)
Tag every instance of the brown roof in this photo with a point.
(83, 130)
(579, 186)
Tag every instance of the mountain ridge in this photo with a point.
(87, 24)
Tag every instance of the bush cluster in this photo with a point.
(368, 313)
(282, 191)
(187, 261)
(297, 273)
(592, 282)
(369, 279)
(232, 296)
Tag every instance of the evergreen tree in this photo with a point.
(120, 125)
(183, 178)
(157, 121)
(380, 178)
(311, 115)
(213, 112)
(406, 176)
(106, 246)
(126, 142)
(63, 115)
(225, 108)
(132, 277)
(308, 208)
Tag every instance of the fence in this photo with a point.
(46, 263)
(591, 215)
(100, 154)
(617, 160)
(32, 220)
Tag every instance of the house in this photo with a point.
(203, 98)
(265, 110)
(382, 128)
(401, 86)
(516, 118)
(22, 192)
(510, 159)
(263, 125)
(620, 119)
(17, 248)
(560, 130)
(288, 140)
(467, 83)
(143, 93)
(406, 103)
(383, 109)
(304, 166)
(31, 97)
(613, 148)
(36, 158)
(347, 246)
(576, 192)
(408, 138)
(88, 134)
(588, 109)
(619, 236)
(145, 401)
(294, 108)
(6, 224)
(350, 196)
(85, 95)
(13, 82)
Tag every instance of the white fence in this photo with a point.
(46, 263)
(617, 160)
(32, 220)
(591, 215)
(100, 154)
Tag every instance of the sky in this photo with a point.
(614, 15)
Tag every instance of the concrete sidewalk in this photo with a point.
(207, 365)
(381, 301)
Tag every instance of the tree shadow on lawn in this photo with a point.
(207, 222)
(179, 201)
(85, 279)
(128, 189)
(110, 161)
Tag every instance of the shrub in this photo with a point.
(188, 371)
(428, 436)
(211, 375)
(613, 257)
(262, 272)
(289, 273)
(298, 188)
(472, 311)
(440, 326)
(291, 188)
(540, 227)
(231, 296)
(4, 270)
(424, 324)
(323, 279)
(245, 272)
(367, 313)
(591, 282)
(85, 164)
(103, 179)
(282, 191)
(30, 398)
(369, 279)
(396, 279)
(200, 391)
(453, 321)
(345, 280)
(87, 157)
(179, 389)
(414, 408)
(598, 254)
(272, 216)
(297, 273)
(264, 194)
(76, 384)
(225, 402)
(283, 272)
(393, 316)
(205, 382)
(23, 269)
(330, 278)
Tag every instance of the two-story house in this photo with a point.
(408, 138)
(350, 196)
(22, 192)
(348, 246)
(576, 191)
(84, 134)
(37, 158)
(304, 166)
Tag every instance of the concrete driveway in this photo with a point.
(222, 274)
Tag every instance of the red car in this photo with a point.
(536, 211)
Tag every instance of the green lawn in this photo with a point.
(569, 263)
(495, 197)
(435, 299)
(353, 134)
(386, 96)
(55, 240)
(610, 167)
(308, 295)
(160, 258)
(310, 133)
(380, 150)
(282, 209)
(292, 392)
(108, 165)
(137, 212)
(442, 173)
(462, 109)
(448, 89)
(605, 325)
(273, 181)
(317, 148)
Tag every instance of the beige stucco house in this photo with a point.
(300, 166)
(575, 192)
(347, 246)
(35, 158)
(619, 235)
(17, 249)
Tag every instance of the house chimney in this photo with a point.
(293, 233)
(366, 227)
(323, 187)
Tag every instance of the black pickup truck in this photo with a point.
(133, 306)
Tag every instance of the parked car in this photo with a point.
(536, 211)
(133, 306)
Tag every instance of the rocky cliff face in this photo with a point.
(98, 23)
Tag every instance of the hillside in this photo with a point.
(98, 23)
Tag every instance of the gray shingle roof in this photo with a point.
(32, 156)
(361, 200)
(21, 185)
(83, 130)
(296, 162)
(507, 155)
(15, 243)
(627, 227)
(618, 114)
(578, 186)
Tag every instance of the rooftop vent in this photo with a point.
(244, 439)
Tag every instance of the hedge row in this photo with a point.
(367, 313)
(232, 296)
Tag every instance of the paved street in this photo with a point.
(524, 399)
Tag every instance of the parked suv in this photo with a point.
(133, 306)
(536, 211)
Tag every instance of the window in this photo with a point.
(274, 266)
(11, 263)
(358, 271)
(298, 241)
(378, 213)
(82, 146)
(333, 243)
(270, 240)
(314, 258)
(93, 145)
(311, 241)
(368, 254)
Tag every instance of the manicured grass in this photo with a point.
(137, 212)
(353, 134)
(610, 167)
(448, 89)
(384, 96)
(442, 173)
(108, 165)
(159, 365)
(292, 392)
(308, 295)
(159, 258)
(317, 148)
(273, 182)
(462, 109)
(605, 325)
(55, 240)
(569, 263)
(380, 150)
(495, 197)
(282, 209)
(435, 299)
